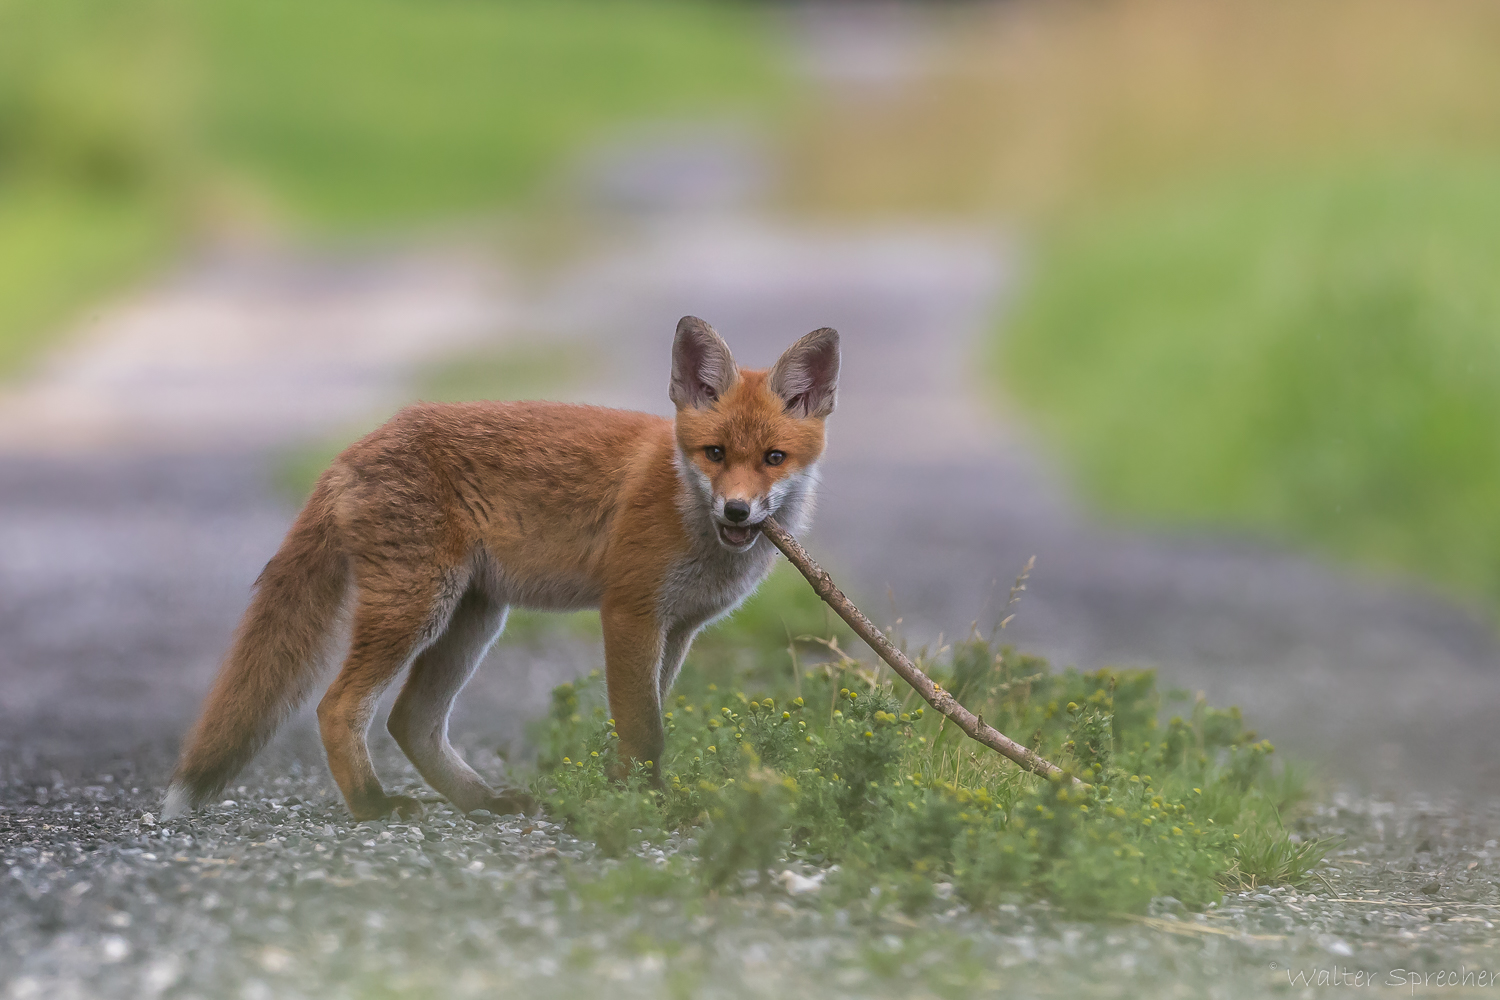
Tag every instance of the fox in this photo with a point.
(426, 532)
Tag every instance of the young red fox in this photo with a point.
(448, 515)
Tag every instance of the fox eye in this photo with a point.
(714, 453)
(774, 457)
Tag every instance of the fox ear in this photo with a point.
(702, 367)
(806, 377)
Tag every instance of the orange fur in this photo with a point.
(448, 515)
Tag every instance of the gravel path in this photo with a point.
(276, 894)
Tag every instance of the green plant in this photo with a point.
(847, 772)
(1265, 854)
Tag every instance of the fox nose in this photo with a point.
(736, 510)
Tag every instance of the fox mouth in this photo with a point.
(737, 536)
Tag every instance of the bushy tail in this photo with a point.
(279, 650)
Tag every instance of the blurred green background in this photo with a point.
(130, 128)
(1260, 237)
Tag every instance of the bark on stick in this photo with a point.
(971, 724)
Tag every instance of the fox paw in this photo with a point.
(511, 800)
(403, 806)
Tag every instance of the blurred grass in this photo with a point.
(365, 112)
(130, 126)
(91, 145)
(1315, 355)
(58, 249)
(1262, 294)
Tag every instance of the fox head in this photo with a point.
(749, 440)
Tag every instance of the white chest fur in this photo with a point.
(710, 580)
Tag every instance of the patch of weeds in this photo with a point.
(615, 815)
(1265, 854)
(747, 828)
(836, 766)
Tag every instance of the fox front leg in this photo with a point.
(634, 641)
(679, 639)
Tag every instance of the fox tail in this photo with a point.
(279, 651)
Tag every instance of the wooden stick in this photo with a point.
(971, 724)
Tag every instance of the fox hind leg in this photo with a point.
(391, 624)
(419, 720)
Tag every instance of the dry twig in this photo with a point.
(973, 725)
